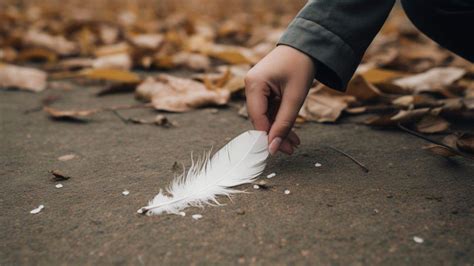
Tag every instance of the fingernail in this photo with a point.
(274, 145)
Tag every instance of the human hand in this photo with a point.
(276, 88)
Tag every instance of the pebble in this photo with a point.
(418, 239)
(125, 192)
(317, 165)
(59, 186)
(182, 214)
(66, 157)
(37, 210)
(256, 186)
(271, 175)
(197, 216)
(287, 191)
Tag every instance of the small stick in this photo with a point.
(123, 119)
(352, 158)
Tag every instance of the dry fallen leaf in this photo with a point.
(324, 104)
(440, 150)
(409, 116)
(466, 142)
(22, 78)
(109, 75)
(432, 124)
(69, 114)
(58, 44)
(121, 61)
(175, 94)
(362, 89)
(434, 79)
(59, 176)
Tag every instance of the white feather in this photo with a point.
(238, 162)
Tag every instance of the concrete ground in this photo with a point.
(335, 214)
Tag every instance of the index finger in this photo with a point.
(257, 106)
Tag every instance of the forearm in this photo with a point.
(335, 34)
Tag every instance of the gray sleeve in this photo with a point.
(336, 33)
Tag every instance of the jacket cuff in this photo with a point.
(335, 61)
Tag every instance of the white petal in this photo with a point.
(271, 175)
(197, 216)
(37, 210)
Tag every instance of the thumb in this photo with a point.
(291, 103)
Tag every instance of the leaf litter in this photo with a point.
(417, 84)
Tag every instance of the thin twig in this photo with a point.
(352, 158)
(123, 119)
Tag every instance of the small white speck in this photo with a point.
(182, 214)
(197, 216)
(37, 210)
(287, 191)
(59, 186)
(418, 239)
(271, 175)
(256, 186)
(376, 211)
(125, 192)
(317, 165)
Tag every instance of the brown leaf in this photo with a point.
(119, 61)
(440, 150)
(175, 94)
(466, 142)
(58, 176)
(192, 61)
(432, 124)
(37, 54)
(324, 104)
(150, 41)
(109, 75)
(435, 79)
(380, 121)
(69, 114)
(58, 44)
(378, 75)
(409, 116)
(22, 78)
(419, 100)
(361, 89)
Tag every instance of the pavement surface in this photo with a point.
(335, 214)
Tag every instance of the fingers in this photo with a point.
(285, 118)
(257, 104)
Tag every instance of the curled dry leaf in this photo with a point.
(432, 124)
(419, 100)
(59, 176)
(159, 120)
(466, 142)
(58, 44)
(324, 104)
(69, 114)
(22, 78)
(440, 150)
(434, 79)
(192, 61)
(409, 116)
(361, 89)
(175, 94)
(108, 75)
(150, 41)
(121, 61)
